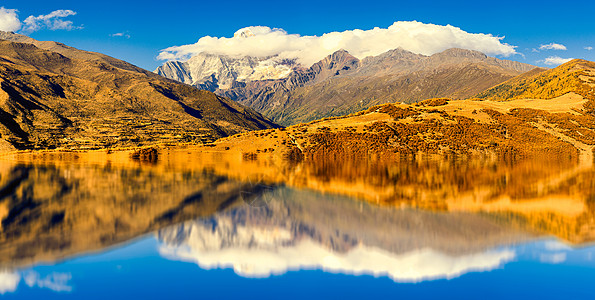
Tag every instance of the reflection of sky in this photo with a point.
(414, 266)
(58, 282)
(139, 271)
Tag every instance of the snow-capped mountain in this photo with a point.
(221, 71)
(214, 71)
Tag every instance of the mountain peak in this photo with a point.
(340, 55)
(243, 33)
(15, 37)
(462, 53)
(335, 64)
(340, 52)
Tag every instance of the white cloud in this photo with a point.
(121, 34)
(261, 41)
(415, 266)
(589, 48)
(9, 20)
(57, 282)
(51, 21)
(9, 282)
(552, 46)
(555, 60)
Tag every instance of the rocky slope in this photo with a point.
(52, 95)
(341, 84)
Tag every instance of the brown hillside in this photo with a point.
(85, 100)
(575, 76)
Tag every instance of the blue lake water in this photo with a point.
(540, 269)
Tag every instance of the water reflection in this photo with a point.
(50, 211)
(300, 230)
(9, 281)
(419, 220)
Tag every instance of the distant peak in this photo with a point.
(341, 51)
(399, 52)
(458, 52)
(341, 54)
(244, 33)
(14, 37)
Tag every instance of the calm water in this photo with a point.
(194, 226)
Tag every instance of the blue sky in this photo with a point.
(150, 26)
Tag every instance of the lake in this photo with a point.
(212, 225)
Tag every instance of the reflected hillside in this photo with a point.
(540, 195)
(57, 204)
(55, 208)
(308, 230)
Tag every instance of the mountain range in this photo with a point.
(53, 95)
(300, 229)
(56, 96)
(340, 84)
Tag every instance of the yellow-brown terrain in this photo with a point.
(60, 205)
(54, 96)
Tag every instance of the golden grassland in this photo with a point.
(576, 76)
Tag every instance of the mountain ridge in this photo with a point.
(341, 84)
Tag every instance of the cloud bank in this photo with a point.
(9, 20)
(261, 41)
(51, 21)
(552, 46)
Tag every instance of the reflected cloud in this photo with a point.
(556, 246)
(57, 282)
(415, 266)
(555, 258)
(9, 281)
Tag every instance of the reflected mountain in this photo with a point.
(542, 196)
(449, 210)
(307, 230)
(50, 211)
